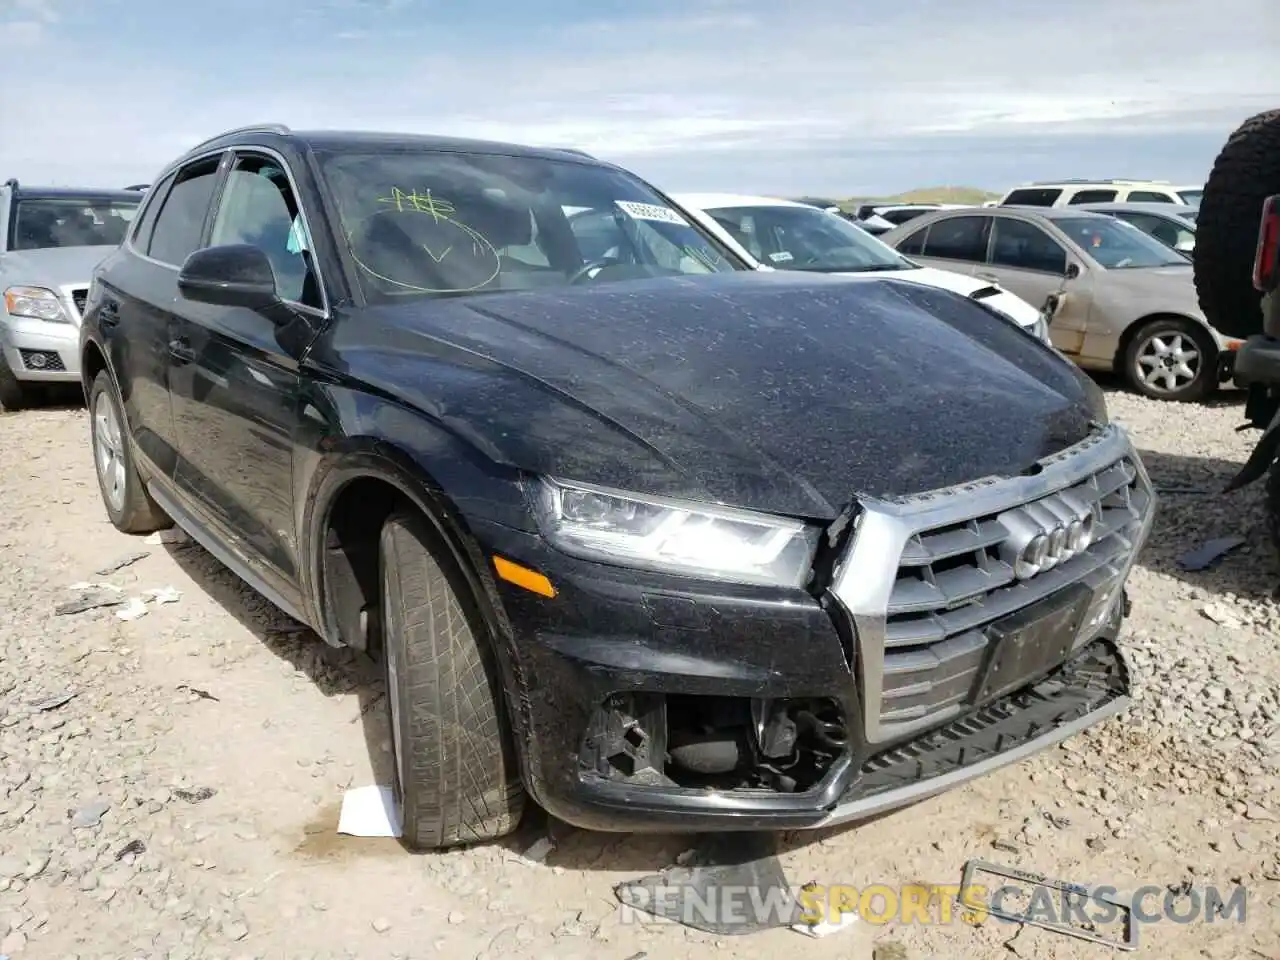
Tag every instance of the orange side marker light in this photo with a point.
(531, 580)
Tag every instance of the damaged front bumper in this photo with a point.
(659, 703)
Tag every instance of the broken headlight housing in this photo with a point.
(676, 536)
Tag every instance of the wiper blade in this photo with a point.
(879, 268)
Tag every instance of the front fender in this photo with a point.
(359, 436)
(348, 435)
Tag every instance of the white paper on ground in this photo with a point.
(827, 927)
(132, 610)
(369, 812)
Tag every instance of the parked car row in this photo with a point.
(637, 530)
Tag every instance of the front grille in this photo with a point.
(923, 578)
(46, 361)
(79, 296)
(952, 583)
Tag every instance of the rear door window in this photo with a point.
(1092, 196)
(958, 238)
(1150, 196)
(1033, 197)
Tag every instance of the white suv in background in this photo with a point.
(774, 234)
(1069, 193)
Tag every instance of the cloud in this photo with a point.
(708, 92)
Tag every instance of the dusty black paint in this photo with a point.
(773, 391)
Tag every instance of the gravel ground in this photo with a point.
(183, 801)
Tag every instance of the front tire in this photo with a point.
(128, 504)
(1172, 359)
(13, 395)
(456, 776)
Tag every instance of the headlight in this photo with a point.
(700, 540)
(36, 303)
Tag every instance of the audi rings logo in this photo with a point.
(1046, 533)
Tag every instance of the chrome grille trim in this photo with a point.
(940, 525)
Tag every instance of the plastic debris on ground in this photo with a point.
(708, 895)
(369, 812)
(122, 562)
(1210, 552)
(90, 596)
(163, 595)
(53, 702)
(135, 608)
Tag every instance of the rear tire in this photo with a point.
(13, 395)
(457, 779)
(1144, 350)
(1246, 172)
(128, 504)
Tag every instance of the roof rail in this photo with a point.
(1091, 180)
(251, 128)
(575, 151)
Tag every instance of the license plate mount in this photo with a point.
(1028, 644)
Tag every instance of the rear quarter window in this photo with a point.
(1033, 197)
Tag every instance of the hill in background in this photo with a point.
(965, 195)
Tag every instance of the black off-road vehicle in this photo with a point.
(1238, 234)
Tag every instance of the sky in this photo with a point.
(819, 97)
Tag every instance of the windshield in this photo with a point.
(444, 223)
(1117, 245)
(1191, 196)
(42, 222)
(806, 238)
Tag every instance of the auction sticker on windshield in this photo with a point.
(650, 211)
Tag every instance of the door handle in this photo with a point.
(109, 314)
(181, 352)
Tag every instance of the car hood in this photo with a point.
(53, 266)
(767, 390)
(1015, 307)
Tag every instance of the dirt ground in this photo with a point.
(112, 846)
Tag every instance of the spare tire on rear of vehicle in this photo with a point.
(1246, 172)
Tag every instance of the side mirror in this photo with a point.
(235, 275)
(1073, 271)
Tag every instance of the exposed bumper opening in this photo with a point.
(716, 743)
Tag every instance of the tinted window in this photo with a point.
(1117, 245)
(1033, 197)
(151, 206)
(1025, 245)
(958, 238)
(1191, 196)
(424, 223)
(178, 228)
(805, 238)
(1148, 196)
(258, 207)
(44, 222)
(914, 244)
(1092, 196)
